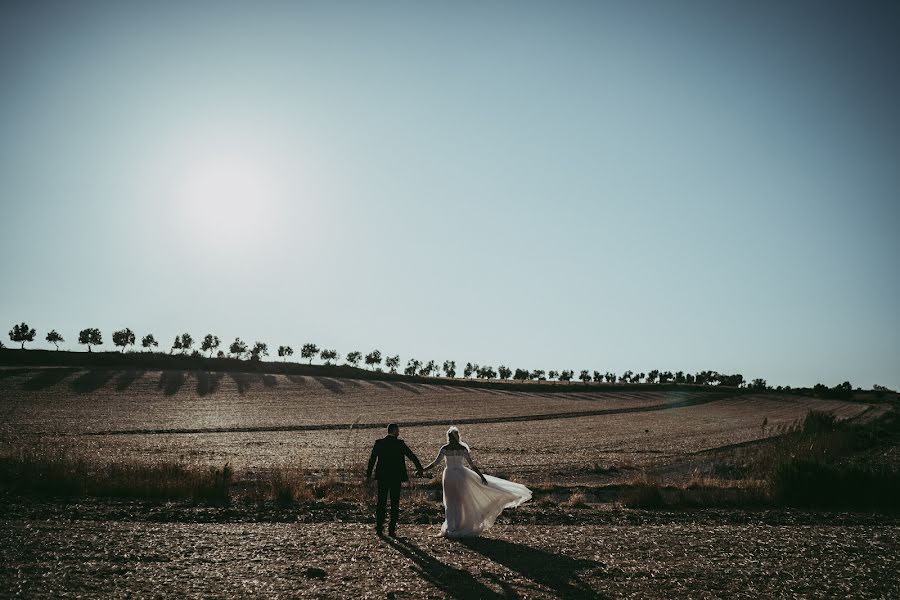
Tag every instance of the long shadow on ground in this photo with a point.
(456, 583)
(170, 382)
(556, 571)
(243, 381)
(332, 385)
(46, 378)
(91, 381)
(127, 378)
(207, 383)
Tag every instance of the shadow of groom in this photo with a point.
(456, 583)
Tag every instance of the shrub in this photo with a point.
(810, 483)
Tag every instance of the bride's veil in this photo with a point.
(454, 429)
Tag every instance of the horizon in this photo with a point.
(602, 187)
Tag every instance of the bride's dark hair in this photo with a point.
(453, 429)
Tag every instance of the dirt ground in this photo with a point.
(612, 554)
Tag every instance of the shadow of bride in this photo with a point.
(455, 583)
(558, 572)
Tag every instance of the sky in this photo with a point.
(560, 185)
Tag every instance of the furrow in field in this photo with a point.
(423, 423)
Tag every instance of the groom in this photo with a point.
(389, 454)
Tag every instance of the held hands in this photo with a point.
(419, 473)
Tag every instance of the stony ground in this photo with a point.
(604, 554)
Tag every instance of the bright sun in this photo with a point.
(229, 195)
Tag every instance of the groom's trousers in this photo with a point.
(385, 488)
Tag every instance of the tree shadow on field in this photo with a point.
(207, 383)
(243, 381)
(455, 583)
(91, 381)
(298, 379)
(269, 381)
(46, 378)
(170, 382)
(407, 387)
(555, 571)
(332, 385)
(127, 378)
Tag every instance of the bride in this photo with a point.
(472, 500)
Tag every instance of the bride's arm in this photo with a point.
(435, 461)
(475, 467)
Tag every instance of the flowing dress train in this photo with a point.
(470, 506)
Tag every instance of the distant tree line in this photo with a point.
(22, 333)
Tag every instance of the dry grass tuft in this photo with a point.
(57, 473)
(576, 500)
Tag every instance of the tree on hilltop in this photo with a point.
(487, 372)
(309, 351)
(54, 338)
(259, 350)
(284, 352)
(148, 341)
(373, 358)
(22, 333)
(123, 337)
(552, 374)
(450, 368)
(237, 348)
(584, 376)
(392, 363)
(90, 337)
(566, 375)
(538, 374)
(329, 355)
(428, 369)
(412, 366)
(186, 342)
(758, 384)
(522, 374)
(652, 376)
(598, 377)
(354, 357)
(210, 343)
(504, 372)
(469, 369)
(610, 377)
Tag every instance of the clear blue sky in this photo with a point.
(611, 186)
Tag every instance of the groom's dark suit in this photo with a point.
(388, 457)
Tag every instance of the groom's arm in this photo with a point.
(409, 453)
(372, 458)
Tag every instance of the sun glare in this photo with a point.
(229, 194)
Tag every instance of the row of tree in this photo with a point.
(184, 343)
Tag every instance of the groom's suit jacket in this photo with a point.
(388, 457)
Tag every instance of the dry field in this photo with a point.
(324, 548)
(253, 421)
(704, 557)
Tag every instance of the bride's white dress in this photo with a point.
(470, 506)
